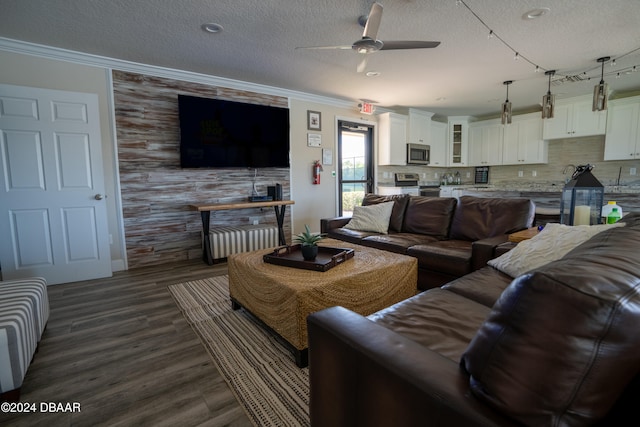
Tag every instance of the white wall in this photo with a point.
(314, 202)
(26, 70)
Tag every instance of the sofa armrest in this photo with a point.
(362, 373)
(327, 224)
(483, 250)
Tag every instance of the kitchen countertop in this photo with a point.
(542, 188)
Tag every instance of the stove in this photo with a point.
(407, 179)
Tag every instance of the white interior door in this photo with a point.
(53, 216)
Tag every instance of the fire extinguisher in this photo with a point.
(316, 169)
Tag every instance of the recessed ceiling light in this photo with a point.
(442, 98)
(212, 27)
(373, 73)
(536, 13)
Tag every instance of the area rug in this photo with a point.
(258, 368)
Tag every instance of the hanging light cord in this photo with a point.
(494, 34)
(518, 55)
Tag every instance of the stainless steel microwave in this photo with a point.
(418, 154)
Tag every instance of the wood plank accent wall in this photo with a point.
(156, 192)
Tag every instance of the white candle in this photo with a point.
(582, 215)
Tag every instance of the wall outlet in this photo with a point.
(520, 174)
(632, 171)
(424, 176)
(468, 174)
(534, 173)
(385, 174)
(435, 175)
(254, 220)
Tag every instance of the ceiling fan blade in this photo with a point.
(362, 65)
(408, 44)
(373, 22)
(344, 47)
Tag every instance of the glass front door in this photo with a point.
(355, 148)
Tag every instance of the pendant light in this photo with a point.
(600, 90)
(506, 106)
(548, 101)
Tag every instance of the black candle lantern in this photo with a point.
(582, 198)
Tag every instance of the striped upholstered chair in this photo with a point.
(24, 311)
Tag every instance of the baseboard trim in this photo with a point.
(118, 265)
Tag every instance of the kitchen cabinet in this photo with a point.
(438, 143)
(573, 118)
(458, 141)
(389, 191)
(451, 191)
(622, 141)
(485, 143)
(392, 139)
(522, 141)
(419, 127)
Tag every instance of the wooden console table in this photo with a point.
(205, 213)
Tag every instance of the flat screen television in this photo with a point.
(217, 133)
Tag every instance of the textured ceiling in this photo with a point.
(463, 75)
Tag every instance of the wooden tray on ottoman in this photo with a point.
(291, 256)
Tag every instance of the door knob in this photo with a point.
(98, 197)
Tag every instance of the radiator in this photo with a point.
(244, 238)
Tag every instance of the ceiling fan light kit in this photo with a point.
(369, 42)
(600, 90)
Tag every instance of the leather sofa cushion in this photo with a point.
(437, 319)
(429, 215)
(347, 235)
(483, 286)
(397, 213)
(477, 218)
(448, 256)
(561, 343)
(396, 242)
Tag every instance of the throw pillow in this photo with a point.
(551, 244)
(399, 207)
(371, 218)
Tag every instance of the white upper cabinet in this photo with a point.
(523, 143)
(622, 141)
(438, 143)
(485, 143)
(573, 118)
(392, 139)
(457, 150)
(419, 127)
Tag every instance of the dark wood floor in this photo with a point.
(121, 348)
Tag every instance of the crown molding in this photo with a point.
(49, 52)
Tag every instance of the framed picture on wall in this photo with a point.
(314, 120)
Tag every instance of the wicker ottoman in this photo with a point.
(24, 311)
(282, 297)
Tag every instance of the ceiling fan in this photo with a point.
(370, 44)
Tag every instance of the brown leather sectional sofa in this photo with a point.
(450, 237)
(556, 346)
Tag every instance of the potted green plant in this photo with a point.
(308, 243)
